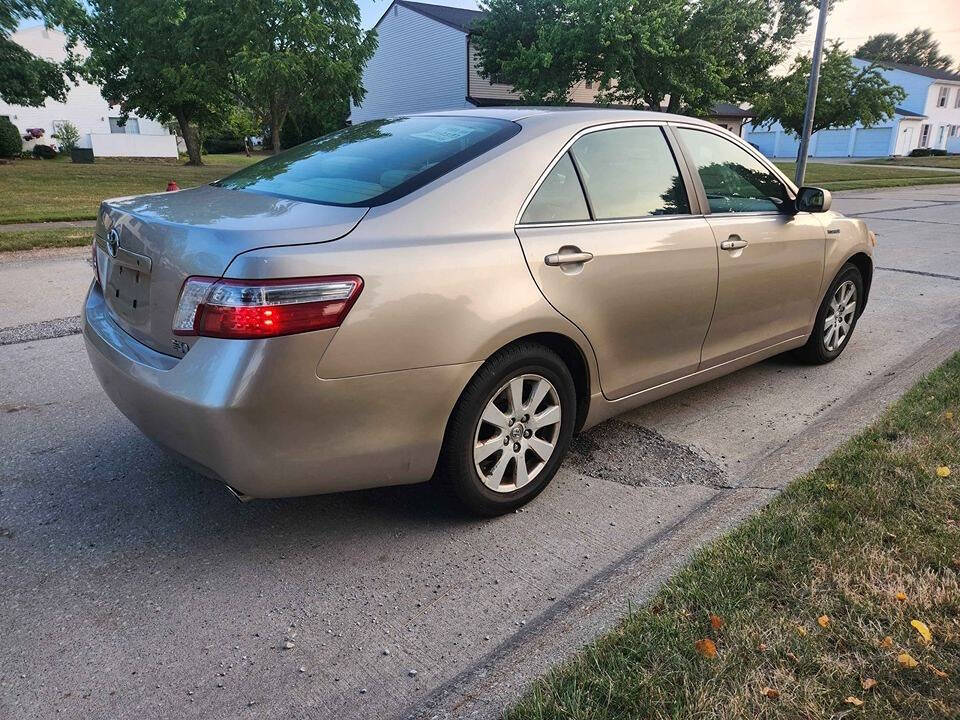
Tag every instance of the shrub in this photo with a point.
(223, 144)
(10, 142)
(925, 152)
(44, 151)
(67, 135)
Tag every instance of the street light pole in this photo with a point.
(812, 92)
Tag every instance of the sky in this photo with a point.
(851, 21)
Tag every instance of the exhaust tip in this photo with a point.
(240, 496)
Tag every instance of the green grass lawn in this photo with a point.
(836, 176)
(813, 608)
(42, 190)
(54, 238)
(948, 161)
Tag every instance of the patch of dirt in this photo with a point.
(638, 456)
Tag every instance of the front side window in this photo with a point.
(630, 172)
(732, 178)
(374, 162)
(559, 198)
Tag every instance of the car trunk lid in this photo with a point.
(148, 245)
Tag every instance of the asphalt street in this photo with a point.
(131, 587)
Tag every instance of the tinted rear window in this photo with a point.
(375, 162)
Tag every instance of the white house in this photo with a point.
(426, 61)
(97, 121)
(929, 117)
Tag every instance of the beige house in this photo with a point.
(426, 61)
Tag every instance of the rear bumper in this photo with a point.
(255, 415)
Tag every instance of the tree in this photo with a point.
(295, 53)
(917, 47)
(846, 95)
(157, 58)
(683, 55)
(26, 79)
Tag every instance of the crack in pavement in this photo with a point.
(919, 272)
(44, 330)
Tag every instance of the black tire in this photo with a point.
(456, 468)
(816, 352)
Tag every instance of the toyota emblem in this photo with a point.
(113, 242)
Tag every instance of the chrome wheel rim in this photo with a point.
(839, 319)
(517, 433)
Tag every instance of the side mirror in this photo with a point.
(813, 199)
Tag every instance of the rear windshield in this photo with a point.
(375, 162)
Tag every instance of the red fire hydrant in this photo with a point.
(172, 185)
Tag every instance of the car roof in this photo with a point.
(566, 114)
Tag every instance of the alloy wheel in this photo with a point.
(839, 319)
(517, 432)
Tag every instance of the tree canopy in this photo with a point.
(26, 79)
(846, 95)
(682, 55)
(295, 53)
(155, 58)
(917, 47)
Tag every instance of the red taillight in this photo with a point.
(263, 308)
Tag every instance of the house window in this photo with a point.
(130, 127)
(956, 103)
(944, 94)
(943, 131)
(924, 135)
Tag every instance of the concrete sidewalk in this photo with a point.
(52, 225)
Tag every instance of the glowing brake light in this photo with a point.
(248, 309)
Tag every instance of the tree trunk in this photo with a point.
(191, 139)
(277, 116)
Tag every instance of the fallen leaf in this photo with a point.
(801, 631)
(922, 629)
(948, 415)
(943, 471)
(823, 621)
(716, 622)
(901, 596)
(887, 642)
(793, 657)
(706, 647)
(906, 660)
(939, 673)
(830, 486)
(868, 683)
(851, 700)
(771, 693)
(762, 647)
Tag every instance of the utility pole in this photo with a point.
(812, 92)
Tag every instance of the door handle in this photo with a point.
(568, 255)
(733, 243)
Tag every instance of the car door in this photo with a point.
(617, 245)
(770, 259)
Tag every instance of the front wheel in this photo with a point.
(836, 318)
(510, 429)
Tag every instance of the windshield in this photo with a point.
(375, 162)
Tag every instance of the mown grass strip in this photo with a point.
(53, 238)
(812, 599)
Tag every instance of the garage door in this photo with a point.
(763, 140)
(872, 142)
(832, 143)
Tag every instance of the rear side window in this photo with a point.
(733, 179)
(560, 197)
(375, 162)
(630, 172)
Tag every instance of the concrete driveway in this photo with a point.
(131, 587)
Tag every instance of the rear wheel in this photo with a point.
(836, 318)
(510, 429)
